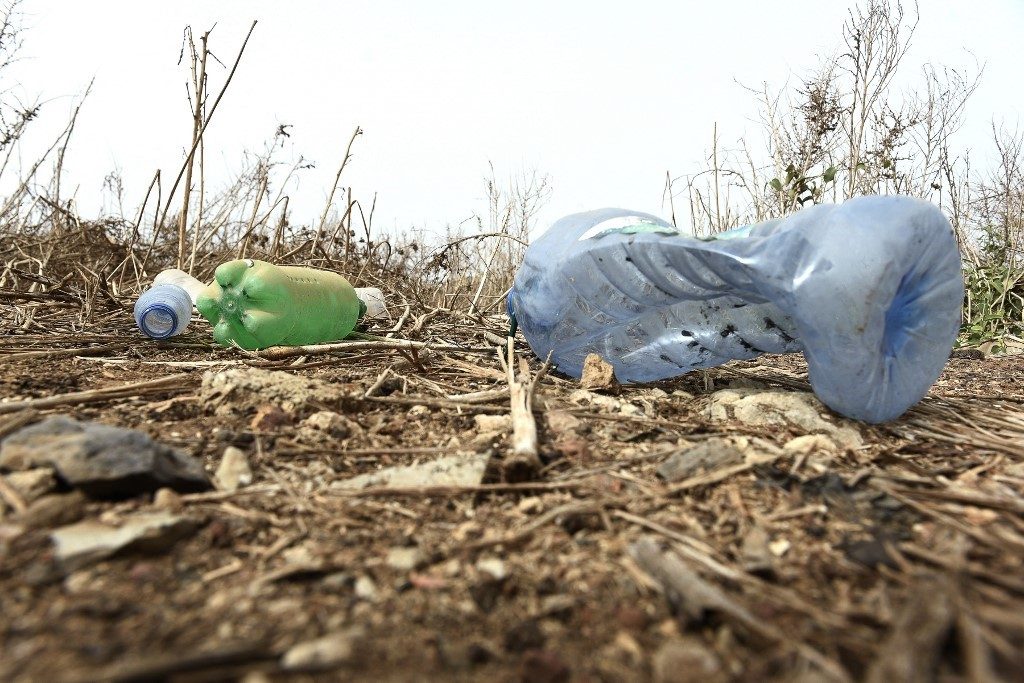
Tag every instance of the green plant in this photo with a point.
(993, 305)
(800, 188)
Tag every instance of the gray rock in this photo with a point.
(86, 542)
(706, 456)
(101, 460)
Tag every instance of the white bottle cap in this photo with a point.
(374, 300)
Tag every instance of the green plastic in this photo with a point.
(255, 304)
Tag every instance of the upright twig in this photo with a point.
(202, 131)
(198, 90)
(334, 188)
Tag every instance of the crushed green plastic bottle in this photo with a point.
(255, 304)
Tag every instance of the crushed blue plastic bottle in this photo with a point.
(870, 291)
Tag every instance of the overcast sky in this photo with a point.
(601, 97)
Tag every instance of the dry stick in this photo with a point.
(282, 221)
(718, 209)
(93, 395)
(199, 209)
(135, 231)
(23, 186)
(63, 150)
(524, 462)
(198, 87)
(252, 219)
(451, 491)
(202, 131)
(9, 425)
(60, 353)
(281, 352)
(334, 188)
(347, 216)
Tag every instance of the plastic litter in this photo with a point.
(255, 304)
(869, 290)
(163, 311)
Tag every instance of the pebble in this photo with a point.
(234, 471)
(405, 559)
(270, 418)
(365, 588)
(494, 566)
(686, 661)
(53, 510)
(325, 652)
(599, 375)
(32, 484)
(90, 541)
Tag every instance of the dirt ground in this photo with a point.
(896, 557)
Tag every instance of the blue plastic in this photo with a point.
(869, 290)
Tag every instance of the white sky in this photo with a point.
(602, 97)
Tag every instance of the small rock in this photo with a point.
(590, 398)
(494, 566)
(755, 552)
(167, 499)
(101, 460)
(32, 484)
(599, 375)
(575, 450)
(81, 544)
(270, 418)
(631, 410)
(559, 606)
(775, 408)
(563, 423)
(406, 559)
(452, 470)
(686, 661)
(331, 423)
(493, 423)
(807, 444)
(707, 456)
(234, 390)
(53, 510)
(365, 588)
(233, 471)
(325, 652)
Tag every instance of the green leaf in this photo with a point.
(776, 184)
(829, 175)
